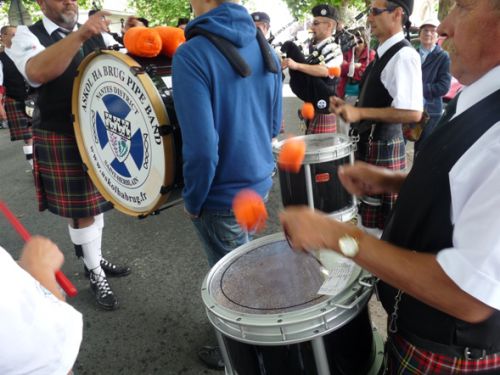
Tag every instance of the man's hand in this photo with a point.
(289, 63)
(348, 112)
(41, 255)
(366, 179)
(95, 25)
(131, 22)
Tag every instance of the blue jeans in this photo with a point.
(219, 233)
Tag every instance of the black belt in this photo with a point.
(462, 352)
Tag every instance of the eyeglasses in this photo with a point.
(378, 11)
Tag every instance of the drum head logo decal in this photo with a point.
(120, 131)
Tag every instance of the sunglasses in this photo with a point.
(378, 11)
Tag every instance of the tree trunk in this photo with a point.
(444, 8)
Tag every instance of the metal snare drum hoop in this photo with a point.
(263, 325)
(119, 116)
(322, 147)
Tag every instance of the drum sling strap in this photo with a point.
(231, 53)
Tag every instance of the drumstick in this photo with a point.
(62, 280)
(250, 210)
(292, 155)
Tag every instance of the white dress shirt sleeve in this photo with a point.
(402, 77)
(39, 334)
(1, 73)
(474, 261)
(25, 45)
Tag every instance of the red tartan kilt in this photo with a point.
(388, 154)
(62, 185)
(322, 123)
(405, 358)
(19, 122)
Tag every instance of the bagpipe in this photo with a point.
(315, 90)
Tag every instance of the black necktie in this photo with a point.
(56, 36)
(450, 110)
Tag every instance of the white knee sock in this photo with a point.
(28, 152)
(89, 239)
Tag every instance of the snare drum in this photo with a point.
(126, 130)
(262, 300)
(317, 184)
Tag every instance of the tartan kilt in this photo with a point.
(19, 122)
(62, 185)
(322, 123)
(388, 154)
(404, 358)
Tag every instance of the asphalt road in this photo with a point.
(161, 320)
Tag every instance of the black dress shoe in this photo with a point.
(211, 357)
(110, 269)
(102, 292)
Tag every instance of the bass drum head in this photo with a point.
(119, 119)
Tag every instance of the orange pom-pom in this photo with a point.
(249, 210)
(141, 41)
(307, 111)
(171, 38)
(292, 155)
(334, 71)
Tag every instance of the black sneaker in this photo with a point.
(111, 270)
(104, 296)
(211, 357)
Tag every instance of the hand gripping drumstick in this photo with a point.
(61, 278)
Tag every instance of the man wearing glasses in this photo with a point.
(311, 74)
(390, 95)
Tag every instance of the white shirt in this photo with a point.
(1, 73)
(39, 334)
(402, 76)
(25, 45)
(473, 262)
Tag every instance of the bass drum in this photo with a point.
(126, 130)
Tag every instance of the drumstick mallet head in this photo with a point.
(250, 210)
(307, 111)
(292, 155)
(61, 278)
(334, 71)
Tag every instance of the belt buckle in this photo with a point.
(468, 354)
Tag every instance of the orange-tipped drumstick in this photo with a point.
(334, 71)
(250, 210)
(292, 155)
(62, 280)
(307, 111)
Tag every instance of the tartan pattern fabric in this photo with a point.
(404, 358)
(322, 123)
(62, 185)
(19, 122)
(388, 154)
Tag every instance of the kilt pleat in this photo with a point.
(322, 123)
(62, 185)
(19, 122)
(388, 154)
(403, 358)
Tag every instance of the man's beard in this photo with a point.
(69, 20)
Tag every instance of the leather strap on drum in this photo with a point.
(231, 53)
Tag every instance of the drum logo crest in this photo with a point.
(119, 132)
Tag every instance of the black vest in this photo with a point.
(373, 94)
(421, 221)
(54, 100)
(13, 80)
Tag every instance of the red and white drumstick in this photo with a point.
(62, 280)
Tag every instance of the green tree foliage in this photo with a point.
(34, 10)
(302, 8)
(161, 12)
(444, 8)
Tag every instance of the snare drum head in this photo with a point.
(267, 277)
(118, 117)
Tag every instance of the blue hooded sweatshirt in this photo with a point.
(227, 121)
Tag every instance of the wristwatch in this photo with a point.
(349, 246)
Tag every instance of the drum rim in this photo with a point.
(329, 153)
(225, 319)
(163, 120)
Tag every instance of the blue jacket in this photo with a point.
(227, 122)
(436, 80)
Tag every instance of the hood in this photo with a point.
(229, 21)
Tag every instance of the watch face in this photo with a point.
(348, 246)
